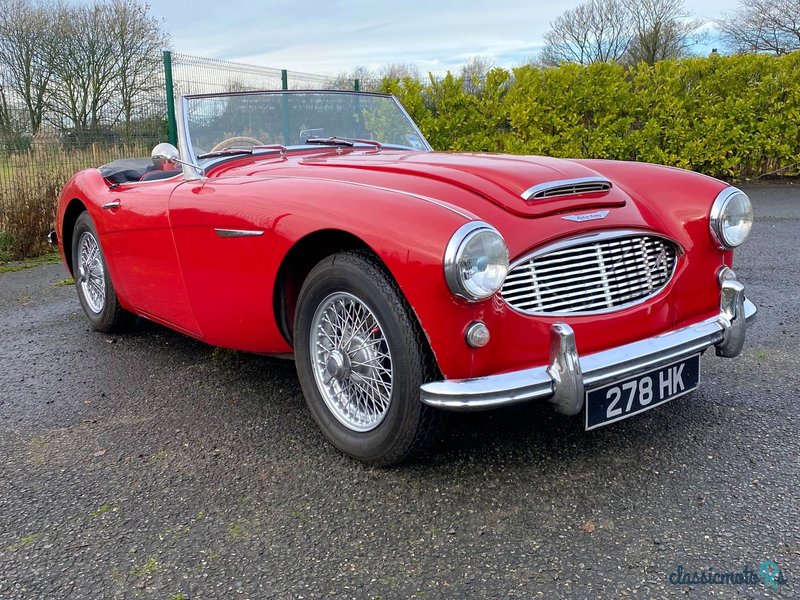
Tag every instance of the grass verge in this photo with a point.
(51, 258)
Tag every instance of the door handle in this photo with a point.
(112, 205)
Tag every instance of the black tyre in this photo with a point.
(95, 289)
(361, 360)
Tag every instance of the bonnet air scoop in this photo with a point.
(566, 188)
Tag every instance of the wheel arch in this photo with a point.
(74, 209)
(303, 256)
(298, 262)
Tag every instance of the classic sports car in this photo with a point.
(405, 281)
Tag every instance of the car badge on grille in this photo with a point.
(661, 259)
(593, 216)
(611, 270)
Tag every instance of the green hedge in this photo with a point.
(735, 117)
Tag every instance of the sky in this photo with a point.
(337, 36)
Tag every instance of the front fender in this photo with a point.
(409, 233)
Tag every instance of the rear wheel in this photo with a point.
(361, 361)
(95, 289)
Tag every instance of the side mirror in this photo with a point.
(164, 153)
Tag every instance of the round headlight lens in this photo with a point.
(476, 261)
(731, 218)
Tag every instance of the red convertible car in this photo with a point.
(406, 281)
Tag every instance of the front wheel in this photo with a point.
(361, 361)
(95, 289)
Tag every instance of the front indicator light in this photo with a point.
(478, 334)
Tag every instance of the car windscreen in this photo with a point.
(248, 120)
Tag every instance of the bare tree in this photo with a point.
(85, 70)
(473, 74)
(399, 71)
(367, 80)
(595, 31)
(661, 30)
(108, 67)
(138, 41)
(763, 26)
(345, 80)
(27, 47)
(620, 30)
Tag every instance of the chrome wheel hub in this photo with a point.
(338, 364)
(351, 361)
(91, 273)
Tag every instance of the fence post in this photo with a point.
(171, 123)
(285, 105)
(356, 85)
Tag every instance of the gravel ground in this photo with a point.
(152, 466)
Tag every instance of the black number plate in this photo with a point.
(625, 398)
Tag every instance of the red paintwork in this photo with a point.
(168, 264)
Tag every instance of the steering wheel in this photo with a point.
(236, 139)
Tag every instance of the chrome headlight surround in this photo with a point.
(731, 218)
(463, 254)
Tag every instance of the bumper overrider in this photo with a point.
(567, 376)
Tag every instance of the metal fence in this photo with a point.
(195, 75)
(35, 162)
(111, 133)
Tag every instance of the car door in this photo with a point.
(143, 250)
(229, 252)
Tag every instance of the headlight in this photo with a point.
(731, 218)
(476, 261)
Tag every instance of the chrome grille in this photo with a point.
(593, 276)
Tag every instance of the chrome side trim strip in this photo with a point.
(232, 233)
(566, 377)
(549, 185)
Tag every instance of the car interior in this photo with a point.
(130, 170)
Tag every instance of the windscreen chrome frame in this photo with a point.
(185, 147)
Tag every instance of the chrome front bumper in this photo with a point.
(564, 380)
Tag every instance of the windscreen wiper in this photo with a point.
(334, 141)
(225, 152)
(341, 141)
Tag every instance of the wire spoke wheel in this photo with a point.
(361, 360)
(93, 283)
(91, 273)
(351, 361)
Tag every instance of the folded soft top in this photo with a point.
(125, 170)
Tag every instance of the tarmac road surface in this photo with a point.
(150, 465)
